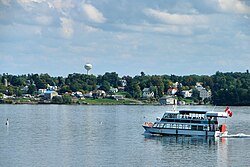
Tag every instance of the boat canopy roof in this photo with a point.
(192, 111)
(216, 114)
(171, 112)
(208, 113)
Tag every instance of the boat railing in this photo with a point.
(189, 117)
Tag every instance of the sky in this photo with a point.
(157, 37)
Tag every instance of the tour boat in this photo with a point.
(189, 122)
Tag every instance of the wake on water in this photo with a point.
(239, 135)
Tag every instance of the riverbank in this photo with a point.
(103, 101)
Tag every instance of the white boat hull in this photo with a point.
(164, 131)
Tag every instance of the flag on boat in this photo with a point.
(229, 112)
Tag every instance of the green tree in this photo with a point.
(32, 89)
(105, 86)
(67, 99)
(57, 100)
(136, 90)
(65, 89)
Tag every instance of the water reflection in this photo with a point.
(190, 140)
(205, 151)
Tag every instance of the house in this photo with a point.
(199, 86)
(99, 94)
(118, 97)
(77, 94)
(172, 91)
(123, 82)
(113, 90)
(168, 100)
(205, 93)
(41, 91)
(52, 87)
(88, 95)
(147, 93)
(25, 88)
(186, 93)
(177, 84)
(48, 95)
(121, 88)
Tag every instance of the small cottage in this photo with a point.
(168, 100)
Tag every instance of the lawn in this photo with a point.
(108, 101)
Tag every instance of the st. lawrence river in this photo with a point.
(112, 136)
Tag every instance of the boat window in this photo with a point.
(194, 127)
(186, 121)
(186, 126)
(168, 126)
(161, 125)
(155, 125)
(170, 116)
(174, 126)
(165, 126)
(195, 121)
(200, 127)
(180, 126)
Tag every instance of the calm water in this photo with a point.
(60, 135)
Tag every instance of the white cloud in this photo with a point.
(159, 28)
(63, 6)
(89, 28)
(5, 2)
(67, 27)
(44, 20)
(178, 19)
(28, 5)
(93, 14)
(234, 6)
(121, 36)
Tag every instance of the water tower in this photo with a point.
(88, 67)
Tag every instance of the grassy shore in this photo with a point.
(90, 101)
(109, 101)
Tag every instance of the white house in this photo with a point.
(168, 100)
(186, 93)
(176, 84)
(118, 97)
(198, 86)
(48, 95)
(41, 91)
(113, 90)
(88, 95)
(26, 88)
(52, 87)
(205, 93)
(99, 94)
(123, 82)
(172, 91)
(77, 94)
(147, 93)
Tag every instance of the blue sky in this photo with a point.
(180, 37)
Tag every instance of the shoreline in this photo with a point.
(100, 103)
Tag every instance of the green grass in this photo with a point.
(187, 100)
(107, 101)
(122, 93)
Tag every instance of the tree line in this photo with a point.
(232, 88)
